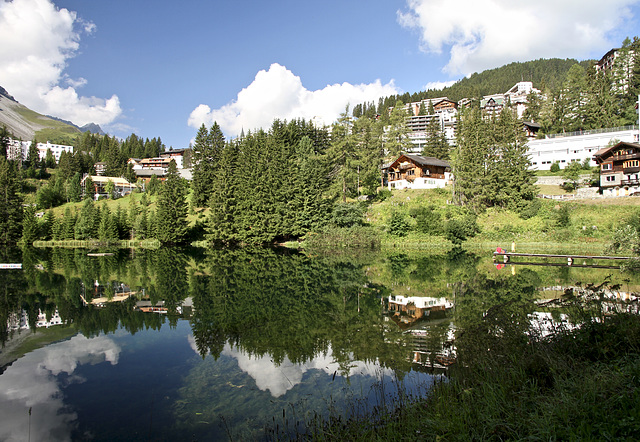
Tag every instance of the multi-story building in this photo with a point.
(576, 146)
(619, 169)
(20, 150)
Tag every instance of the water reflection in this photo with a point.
(238, 333)
(31, 387)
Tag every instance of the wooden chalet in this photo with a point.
(619, 169)
(417, 172)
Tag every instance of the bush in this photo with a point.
(457, 230)
(398, 224)
(563, 217)
(555, 167)
(347, 215)
(427, 220)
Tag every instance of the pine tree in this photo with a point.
(171, 215)
(107, 230)
(74, 193)
(223, 221)
(89, 188)
(396, 139)
(29, 226)
(10, 204)
(206, 154)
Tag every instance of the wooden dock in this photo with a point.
(569, 258)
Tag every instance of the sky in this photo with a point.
(163, 68)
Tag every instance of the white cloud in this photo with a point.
(483, 34)
(438, 85)
(37, 40)
(278, 93)
(31, 383)
(279, 379)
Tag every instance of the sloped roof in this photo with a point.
(421, 161)
(610, 149)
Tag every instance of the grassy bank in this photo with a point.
(588, 224)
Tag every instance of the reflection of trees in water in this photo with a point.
(288, 306)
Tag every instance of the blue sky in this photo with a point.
(162, 68)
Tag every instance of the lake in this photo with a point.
(187, 344)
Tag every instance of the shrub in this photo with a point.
(555, 167)
(398, 224)
(347, 215)
(427, 220)
(457, 230)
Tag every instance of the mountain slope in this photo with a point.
(26, 124)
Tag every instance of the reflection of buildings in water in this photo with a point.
(431, 344)
(100, 294)
(434, 347)
(409, 309)
(20, 321)
(613, 300)
(146, 306)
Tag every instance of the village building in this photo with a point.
(122, 186)
(412, 171)
(177, 155)
(619, 169)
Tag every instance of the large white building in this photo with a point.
(20, 150)
(576, 146)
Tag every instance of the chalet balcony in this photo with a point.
(631, 182)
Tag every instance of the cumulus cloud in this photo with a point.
(278, 93)
(438, 85)
(30, 383)
(278, 379)
(483, 34)
(37, 40)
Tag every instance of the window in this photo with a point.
(632, 163)
(611, 178)
(607, 166)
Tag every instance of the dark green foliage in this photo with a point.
(347, 215)
(153, 186)
(555, 167)
(74, 193)
(207, 149)
(572, 173)
(89, 188)
(108, 228)
(459, 229)
(491, 165)
(171, 221)
(30, 231)
(225, 214)
(398, 225)
(10, 203)
(563, 216)
(428, 220)
(87, 224)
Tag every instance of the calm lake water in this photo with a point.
(192, 345)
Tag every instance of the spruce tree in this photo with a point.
(171, 215)
(29, 226)
(10, 204)
(222, 224)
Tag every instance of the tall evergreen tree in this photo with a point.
(223, 220)
(29, 226)
(10, 203)
(171, 215)
(206, 154)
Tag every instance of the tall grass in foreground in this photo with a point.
(569, 371)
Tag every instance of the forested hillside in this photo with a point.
(544, 73)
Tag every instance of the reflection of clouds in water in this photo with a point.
(30, 382)
(278, 379)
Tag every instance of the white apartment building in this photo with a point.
(20, 150)
(576, 146)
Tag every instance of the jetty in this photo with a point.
(570, 259)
